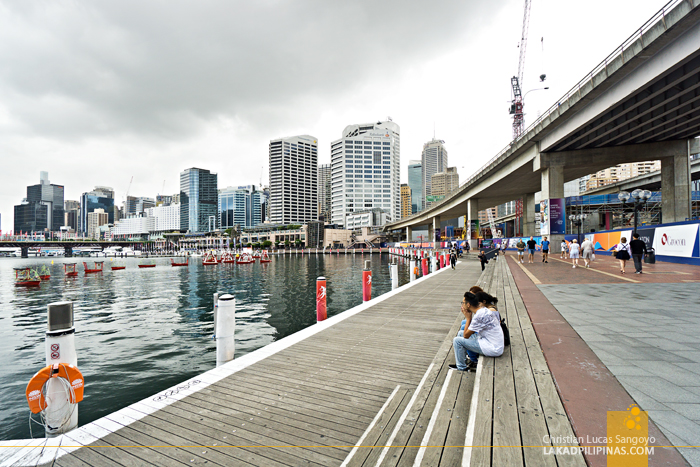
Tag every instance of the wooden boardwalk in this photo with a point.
(371, 390)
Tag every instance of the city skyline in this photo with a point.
(144, 113)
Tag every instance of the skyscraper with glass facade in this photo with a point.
(415, 183)
(99, 198)
(433, 160)
(43, 208)
(365, 171)
(199, 200)
(243, 206)
(294, 180)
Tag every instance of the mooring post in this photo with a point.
(394, 268)
(321, 294)
(60, 348)
(412, 269)
(216, 310)
(367, 282)
(225, 329)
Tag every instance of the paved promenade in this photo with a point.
(640, 330)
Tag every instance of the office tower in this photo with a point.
(365, 171)
(405, 200)
(199, 199)
(242, 206)
(30, 216)
(137, 205)
(415, 183)
(443, 183)
(266, 203)
(95, 220)
(324, 192)
(99, 198)
(294, 180)
(433, 160)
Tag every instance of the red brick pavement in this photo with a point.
(586, 387)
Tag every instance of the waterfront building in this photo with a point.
(443, 183)
(405, 200)
(243, 206)
(95, 220)
(198, 200)
(134, 205)
(415, 183)
(30, 216)
(375, 217)
(293, 180)
(365, 171)
(324, 192)
(433, 160)
(165, 219)
(99, 198)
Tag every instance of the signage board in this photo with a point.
(675, 240)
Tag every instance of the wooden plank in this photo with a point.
(87, 456)
(506, 428)
(452, 454)
(483, 424)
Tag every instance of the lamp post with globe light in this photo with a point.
(577, 220)
(639, 198)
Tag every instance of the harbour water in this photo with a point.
(139, 331)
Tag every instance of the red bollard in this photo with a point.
(442, 261)
(321, 311)
(424, 265)
(366, 283)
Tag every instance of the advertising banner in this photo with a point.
(557, 216)
(647, 236)
(676, 240)
(544, 217)
(474, 228)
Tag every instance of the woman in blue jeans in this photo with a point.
(482, 333)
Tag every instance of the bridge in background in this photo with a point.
(641, 103)
(67, 246)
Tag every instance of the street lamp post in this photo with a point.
(577, 220)
(639, 198)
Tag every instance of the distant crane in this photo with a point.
(516, 82)
(126, 196)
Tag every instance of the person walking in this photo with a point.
(587, 252)
(521, 250)
(545, 250)
(564, 247)
(531, 246)
(623, 253)
(483, 260)
(504, 245)
(453, 259)
(574, 252)
(639, 249)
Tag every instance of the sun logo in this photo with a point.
(634, 417)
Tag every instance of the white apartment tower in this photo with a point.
(294, 180)
(433, 160)
(365, 171)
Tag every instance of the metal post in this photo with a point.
(394, 268)
(321, 310)
(412, 269)
(367, 282)
(60, 348)
(216, 310)
(225, 329)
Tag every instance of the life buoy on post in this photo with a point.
(35, 388)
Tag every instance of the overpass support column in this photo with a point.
(436, 228)
(25, 252)
(68, 251)
(472, 215)
(409, 233)
(675, 188)
(529, 215)
(553, 188)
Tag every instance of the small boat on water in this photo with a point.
(147, 265)
(45, 273)
(209, 259)
(97, 267)
(27, 277)
(228, 258)
(245, 259)
(69, 269)
(173, 263)
(264, 258)
(118, 267)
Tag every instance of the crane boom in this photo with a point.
(516, 108)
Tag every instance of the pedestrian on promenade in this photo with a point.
(482, 333)
(482, 258)
(574, 252)
(564, 247)
(466, 246)
(453, 259)
(504, 245)
(521, 250)
(587, 249)
(545, 250)
(531, 245)
(623, 253)
(639, 249)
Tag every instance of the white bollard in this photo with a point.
(394, 268)
(412, 267)
(216, 310)
(225, 329)
(434, 262)
(60, 348)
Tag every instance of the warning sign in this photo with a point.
(55, 351)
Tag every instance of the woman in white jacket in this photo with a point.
(623, 253)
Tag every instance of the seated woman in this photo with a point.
(482, 334)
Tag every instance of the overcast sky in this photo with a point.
(95, 92)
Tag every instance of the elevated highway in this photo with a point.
(641, 103)
(67, 246)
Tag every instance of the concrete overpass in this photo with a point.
(67, 246)
(641, 103)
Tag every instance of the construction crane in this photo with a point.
(516, 82)
(126, 196)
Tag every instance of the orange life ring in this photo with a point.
(35, 394)
(415, 270)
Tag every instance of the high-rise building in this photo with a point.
(294, 180)
(243, 206)
(405, 200)
(433, 160)
(365, 171)
(415, 182)
(95, 220)
(620, 172)
(30, 216)
(198, 200)
(137, 205)
(443, 183)
(324, 192)
(99, 198)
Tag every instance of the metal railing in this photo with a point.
(576, 89)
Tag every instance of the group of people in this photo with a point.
(531, 247)
(623, 251)
(481, 332)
